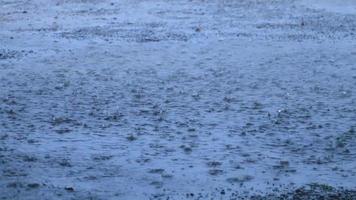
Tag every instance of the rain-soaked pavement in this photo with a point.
(177, 99)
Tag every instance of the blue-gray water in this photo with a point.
(175, 99)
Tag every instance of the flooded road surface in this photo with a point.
(175, 99)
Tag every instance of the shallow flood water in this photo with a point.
(174, 99)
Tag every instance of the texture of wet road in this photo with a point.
(174, 99)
